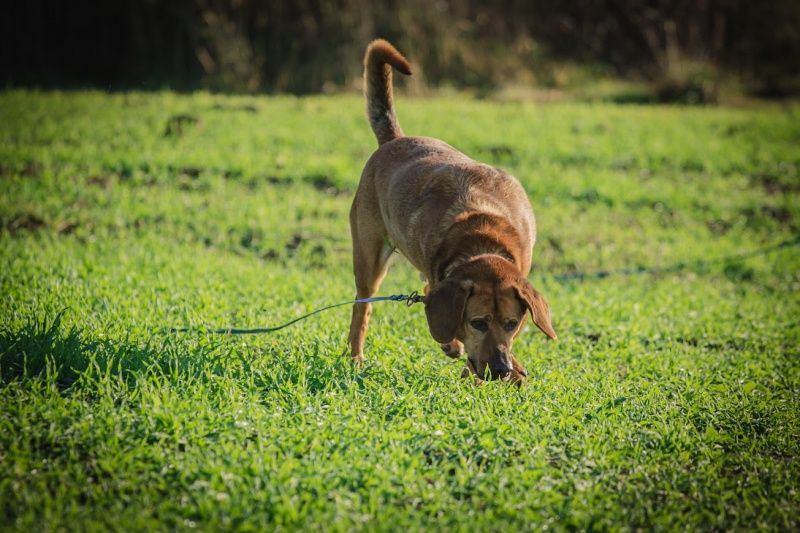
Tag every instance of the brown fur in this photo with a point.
(467, 227)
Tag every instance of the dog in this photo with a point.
(467, 227)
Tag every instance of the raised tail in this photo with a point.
(378, 62)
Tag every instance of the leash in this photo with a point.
(675, 267)
(409, 299)
(414, 297)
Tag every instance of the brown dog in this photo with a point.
(467, 227)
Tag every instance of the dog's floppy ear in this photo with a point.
(537, 305)
(444, 308)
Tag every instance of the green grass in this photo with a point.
(669, 401)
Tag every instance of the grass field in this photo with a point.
(670, 401)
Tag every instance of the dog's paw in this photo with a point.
(513, 378)
(453, 349)
(518, 368)
(358, 359)
(467, 373)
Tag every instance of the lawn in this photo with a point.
(670, 400)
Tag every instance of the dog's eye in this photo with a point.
(480, 325)
(511, 325)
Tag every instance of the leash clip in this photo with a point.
(413, 298)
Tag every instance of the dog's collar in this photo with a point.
(464, 260)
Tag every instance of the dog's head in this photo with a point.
(484, 304)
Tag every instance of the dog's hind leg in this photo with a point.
(371, 253)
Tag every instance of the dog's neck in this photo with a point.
(460, 261)
(475, 234)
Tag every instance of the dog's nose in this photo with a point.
(501, 362)
(500, 369)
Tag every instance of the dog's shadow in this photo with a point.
(46, 349)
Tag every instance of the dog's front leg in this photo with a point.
(517, 366)
(358, 330)
(371, 253)
(368, 282)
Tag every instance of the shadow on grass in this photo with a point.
(43, 348)
(46, 349)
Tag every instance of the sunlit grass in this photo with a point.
(669, 401)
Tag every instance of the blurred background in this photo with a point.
(694, 51)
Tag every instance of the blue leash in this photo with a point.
(414, 297)
(675, 267)
(409, 299)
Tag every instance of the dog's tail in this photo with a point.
(378, 62)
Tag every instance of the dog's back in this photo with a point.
(422, 184)
(425, 187)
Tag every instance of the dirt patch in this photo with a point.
(294, 243)
(145, 221)
(275, 180)
(98, 180)
(594, 338)
(24, 222)
(321, 182)
(188, 172)
(734, 129)
(66, 227)
(319, 251)
(719, 226)
(555, 244)
(178, 124)
(499, 152)
(773, 184)
(624, 163)
(270, 255)
(31, 169)
(246, 108)
(251, 239)
(255, 182)
(711, 344)
(191, 172)
(232, 174)
(325, 184)
(758, 217)
(591, 197)
(781, 214)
